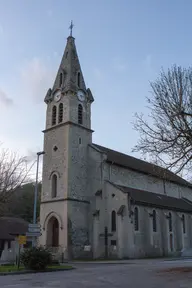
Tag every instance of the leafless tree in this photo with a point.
(167, 134)
(14, 172)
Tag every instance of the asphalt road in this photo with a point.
(134, 274)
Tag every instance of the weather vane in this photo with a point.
(71, 28)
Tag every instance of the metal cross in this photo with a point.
(71, 28)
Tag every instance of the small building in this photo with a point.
(9, 228)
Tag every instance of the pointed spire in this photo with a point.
(69, 76)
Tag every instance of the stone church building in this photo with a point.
(97, 202)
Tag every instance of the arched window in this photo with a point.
(54, 186)
(183, 223)
(170, 222)
(113, 221)
(80, 114)
(154, 221)
(60, 118)
(136, 218)
(54, 115)
(78, 79)
(60, 79)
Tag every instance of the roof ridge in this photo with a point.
(166, 173)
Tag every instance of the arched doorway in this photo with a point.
(53, 232)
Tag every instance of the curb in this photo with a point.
(34, 272)
(103, 263)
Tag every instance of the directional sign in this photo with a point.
(34, 228)
(22, 239)
(35, 234)
(34, 225)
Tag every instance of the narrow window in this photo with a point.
(78, 79)
(60, 79)
(80, 114)
(113, 221)
(79, 140)
(54, 186)
(54, 115)
(154, 221)
(66, 54)
(170, 222)
(113, 242)
(60, 119)
(183, 223)
(136, 214)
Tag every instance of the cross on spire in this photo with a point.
(71, 28)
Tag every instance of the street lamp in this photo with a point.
(36, 190)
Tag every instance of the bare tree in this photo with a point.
(167, 134)
(14, 172)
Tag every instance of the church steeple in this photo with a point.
(69, 76)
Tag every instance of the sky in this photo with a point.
(122, 46)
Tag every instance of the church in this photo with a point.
(97, 202)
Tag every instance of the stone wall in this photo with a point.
(144, 242)
(78, 229)
(55, 162)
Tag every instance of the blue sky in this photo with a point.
(122, 45)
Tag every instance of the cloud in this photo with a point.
(37, 78)
(4, 99)
(31, 158)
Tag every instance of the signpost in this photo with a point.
(34, 230)
(22, 239)
(35, 234)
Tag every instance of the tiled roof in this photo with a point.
(157, 200)
(133, 163)
(10, 226)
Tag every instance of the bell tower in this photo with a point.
(64, 202)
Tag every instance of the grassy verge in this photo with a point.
(13, 268)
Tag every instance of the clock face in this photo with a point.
(57, 96)
(81, 95)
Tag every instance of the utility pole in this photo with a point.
(35, 195)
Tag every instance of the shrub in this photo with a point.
(36, 258)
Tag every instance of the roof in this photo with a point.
(157, 200)
(136, 164)
(12, 225)
(68, 73)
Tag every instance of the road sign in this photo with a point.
(34, 228)
(34, 225)
(33, 234)
(22, 239)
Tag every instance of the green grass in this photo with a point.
(10, 268)
(14, 268)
